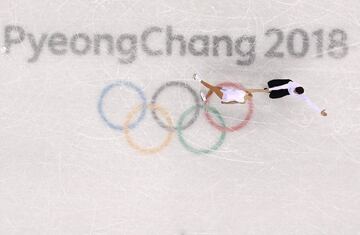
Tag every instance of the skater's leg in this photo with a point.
(207, 85)
(209, 94)
(215, 89)
(211, 88)
(278, 82)
(278, 94)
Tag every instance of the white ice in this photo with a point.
(288, 171)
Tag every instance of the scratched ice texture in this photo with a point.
(289, 170)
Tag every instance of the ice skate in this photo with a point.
(203, 97)
(196, 77)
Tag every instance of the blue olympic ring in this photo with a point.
(131, 86)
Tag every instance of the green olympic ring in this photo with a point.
(191, 148)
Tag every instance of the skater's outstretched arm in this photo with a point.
(257, 90)
(312, 105)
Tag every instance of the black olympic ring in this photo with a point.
(192, 92)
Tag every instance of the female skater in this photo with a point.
(228, 95)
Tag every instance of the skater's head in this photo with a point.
(299, 90)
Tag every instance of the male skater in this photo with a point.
(283, 87)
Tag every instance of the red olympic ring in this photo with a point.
(241, 124)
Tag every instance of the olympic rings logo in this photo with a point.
(138, 113)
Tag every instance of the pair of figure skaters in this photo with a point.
(277, 88)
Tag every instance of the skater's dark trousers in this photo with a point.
(278, 93)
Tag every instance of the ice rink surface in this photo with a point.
(68, 167)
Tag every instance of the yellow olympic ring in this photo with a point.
(139, 148)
